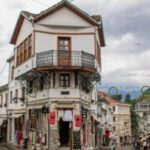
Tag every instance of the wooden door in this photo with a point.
(64, 51)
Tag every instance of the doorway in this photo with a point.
(64, 133)
(64, 51)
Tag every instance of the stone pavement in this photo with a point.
(127, 147)
(6, 146)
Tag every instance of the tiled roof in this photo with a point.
(110, 100)
(102, 94)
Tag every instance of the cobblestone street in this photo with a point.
(9, 147)
(128, 147)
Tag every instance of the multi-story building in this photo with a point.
(105, 119)
(16, 109)
(143, 110)
(52, 77)
(3, 111)
(120, 125)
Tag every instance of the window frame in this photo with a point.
(64, 82)
(24, 51)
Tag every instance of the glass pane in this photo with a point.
(66, 42)
(66, 77)
(61, 77)
(61, 83)
(61, 42)
(62, 47)
(66, 48)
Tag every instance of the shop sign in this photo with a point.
(84, 113)
(45, 110)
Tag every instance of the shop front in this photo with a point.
(65, 127)
(3, 129)
(36, 129)
(17, 122)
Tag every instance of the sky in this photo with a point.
(126, 57)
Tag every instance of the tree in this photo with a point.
(134, 117)
(134, 122)
(128, 98)
(117, 97)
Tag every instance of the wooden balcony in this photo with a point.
(54, 59)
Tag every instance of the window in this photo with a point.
(29, 46)
(16, 93)
(24, 51)
(12, 72)
(114, 108)
(64, 80)
(114, 128)
(1, 100)
(114, 119)
(76, 79)
(98, 54)
(30, 86)
(64, 43)
(6, 100)
(23, 92)
(11, 94)
(41, 83)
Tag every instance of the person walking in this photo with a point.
(135, 145)
(145, 145)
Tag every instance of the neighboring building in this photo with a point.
(121, 121)
(143, 110)
(104, 117)
(16, 109)
(57, 61)
(3, 111)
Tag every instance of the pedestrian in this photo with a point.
(138, 145)
(145, 145)
(135, 145)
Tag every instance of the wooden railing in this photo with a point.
(64, 58)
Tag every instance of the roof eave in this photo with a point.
(17, 29)
(70, 6)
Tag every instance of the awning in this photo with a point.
(16, 115)
(1, 121)
(35, 107)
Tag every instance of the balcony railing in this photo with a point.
(54, 58)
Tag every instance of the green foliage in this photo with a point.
(145, 96)
(117, 97)
(128, 98)
(134, 123)
(134, 117)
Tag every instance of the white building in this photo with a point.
(3, 111)
(116, 117)
(55, 66)
(143, 110)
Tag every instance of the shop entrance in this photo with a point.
(64, 133)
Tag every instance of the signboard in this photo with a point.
(45, 110)
(84, 113)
